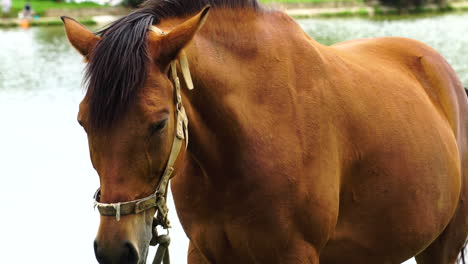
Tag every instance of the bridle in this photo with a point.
(158, 199)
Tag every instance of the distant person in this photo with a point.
(6, 5)
(27, 11)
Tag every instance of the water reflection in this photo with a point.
(36, 61)
(46, 177)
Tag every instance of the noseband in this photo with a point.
(158, 199)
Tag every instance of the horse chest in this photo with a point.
(234, 243)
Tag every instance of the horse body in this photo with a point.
(406, 168)
(301, 153)
(369, 166)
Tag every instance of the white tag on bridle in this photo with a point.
(117, 211)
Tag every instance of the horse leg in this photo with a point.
(446, 248)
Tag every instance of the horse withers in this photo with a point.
(297, 152)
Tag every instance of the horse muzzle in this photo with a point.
(125, 241)
(120, 253)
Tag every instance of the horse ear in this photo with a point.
(179, 37)
(79, 36)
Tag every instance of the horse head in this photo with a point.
(135, 123)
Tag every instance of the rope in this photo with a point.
(162, 254)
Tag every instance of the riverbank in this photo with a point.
(357, 8)
(85, 15)
(105, 15)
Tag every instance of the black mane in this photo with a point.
(117, 66)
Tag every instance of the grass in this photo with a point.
(59, 22)
(40, 7)
(358, 13)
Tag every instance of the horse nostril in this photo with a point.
(126, 253)
(130, 253)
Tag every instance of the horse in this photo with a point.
(285, 151)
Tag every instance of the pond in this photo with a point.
(47, 180)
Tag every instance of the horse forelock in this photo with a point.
(117, 67)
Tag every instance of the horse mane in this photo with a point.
(117, 66)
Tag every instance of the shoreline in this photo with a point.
(101, 16)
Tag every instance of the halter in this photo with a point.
(159, 197)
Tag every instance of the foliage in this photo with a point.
(416, 5)
(132, 3)
(308, 1)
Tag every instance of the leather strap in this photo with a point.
(183, 61)
(158, 199)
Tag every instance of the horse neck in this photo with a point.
(229, 60)
(219, 61)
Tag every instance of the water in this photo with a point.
(46, 178)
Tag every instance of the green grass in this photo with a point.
(358, 13)
(8, 24)
(59, 22)
(39, 7)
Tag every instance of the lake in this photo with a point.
(47, 180)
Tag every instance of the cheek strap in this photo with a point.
(183, 61)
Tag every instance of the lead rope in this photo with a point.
(163, 241)
(162, 254)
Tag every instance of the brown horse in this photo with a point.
(298, 152)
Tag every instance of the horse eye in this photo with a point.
(158, 126)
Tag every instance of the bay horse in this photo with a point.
(297, 152)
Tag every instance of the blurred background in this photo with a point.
(46, 178)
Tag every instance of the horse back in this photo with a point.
(424, 70)
(416, 61)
